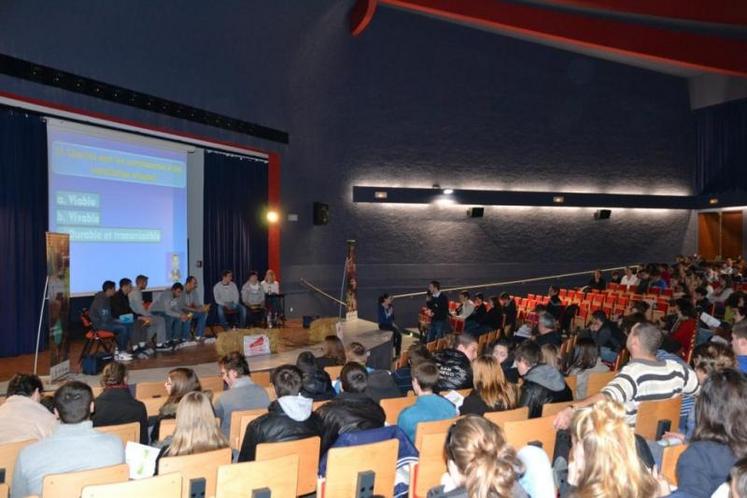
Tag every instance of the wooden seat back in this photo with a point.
(431, 465)
(125, 432)
(555, 408)
(146, 390)
(244, 421)
(523, 432)
(434, 427)
(515, 415)
(262, 378)
(344, 465)
(70, 484)
(597, 381)
(669, 458)
(235, 436)
(307, 450)
(4, 490)
(152, 405)
(213, 383)
(572, 382)
(650, 413)
(201, 465)
(9, 455)
(240, 480)
(393, 406)
(164, 486)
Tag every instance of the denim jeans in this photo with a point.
(233, 306)
(122, 332)
(607, 354)
(175, 328)
(200, 319)
(437, 330)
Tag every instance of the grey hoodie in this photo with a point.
(297, 407)
(547, 377)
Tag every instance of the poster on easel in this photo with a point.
(58, 303)
(351, 275)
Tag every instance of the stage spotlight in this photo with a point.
(558, 199)
(713, 201)
(273, 216)
(448, 191)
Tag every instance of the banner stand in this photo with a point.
(39, 328)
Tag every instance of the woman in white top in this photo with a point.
(629, 278)
(269, 284)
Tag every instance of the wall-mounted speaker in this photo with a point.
(602, 214)
(321, 213)
(476, 212)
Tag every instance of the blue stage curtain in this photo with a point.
(235, 231)
(23, 223)
(721, 132)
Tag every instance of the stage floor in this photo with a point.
(203, 357)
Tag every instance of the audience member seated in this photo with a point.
(120, 306)
(586, 360)
(156, 324)
(74, 446)
(179, 382)
(643, 378)
(480, 463)
(195, 430)
(492, 393)
(253, 298)
(386, 322)
(271, 288)
(316, 382)
(465, 307)
(554, 305)
(684, 328)
(287, 419)
(547, 331)
(101, 316)
(475, 323)
(226, 296)
(380, 382)
(606, 334)
(551, 355)
(739, 344)
(169, 306)
(115, 405)
(720, 436)
(438, 308)
(428, 406)
(502, 350)
(455, 371)
(644, 281)
(416, 354)
(629, 278)
(542, 383)
(242, 394)
(596, 282)
(22, 416)
(333, 352)
(353, 410)
(508, 306)
(604, 461)
(194, 306)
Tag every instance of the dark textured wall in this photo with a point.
(412, 102)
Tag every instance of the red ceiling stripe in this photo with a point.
(693, 50)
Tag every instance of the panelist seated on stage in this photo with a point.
(101, 316)
(170, 306)
(192, 303)
(226, 296)
(253, 297)
(120, 305)
(157, 328)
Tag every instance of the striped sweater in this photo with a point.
(646, 380)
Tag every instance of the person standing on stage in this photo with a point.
(226, 296)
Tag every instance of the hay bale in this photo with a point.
(322, 327)
(233, 340)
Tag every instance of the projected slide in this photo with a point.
(123, 200)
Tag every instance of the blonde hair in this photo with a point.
(196, 430)
(611, 463)
(479, 450)
(270, 273)
(491, 384)
(551, 355)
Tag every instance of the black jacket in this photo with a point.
(120, 304)
(276, 426)
(543, 384)
(439, 306)
(317, 385)
(553, 337)
(454, 370)
(474, 404)
(493, 318)
(117, 406)
(478, 315)
(349, 412)
(609, 336)
(382, 385)
(510, 311)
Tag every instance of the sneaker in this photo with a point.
(123, 356)
(163, 347)
(140, 355)
(179, 344)
(188, 344)
(210, 340)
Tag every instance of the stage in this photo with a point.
(203, 357)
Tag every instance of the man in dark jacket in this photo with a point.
(353, 410)
(510, 312)
(542, 383)
(317, 384)
(115, 405)
(606, 334)
(455, 365)
(120, 305)
(438, 304)
(101, 316)
(287, 419)
(555, 304)
(548, 333)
